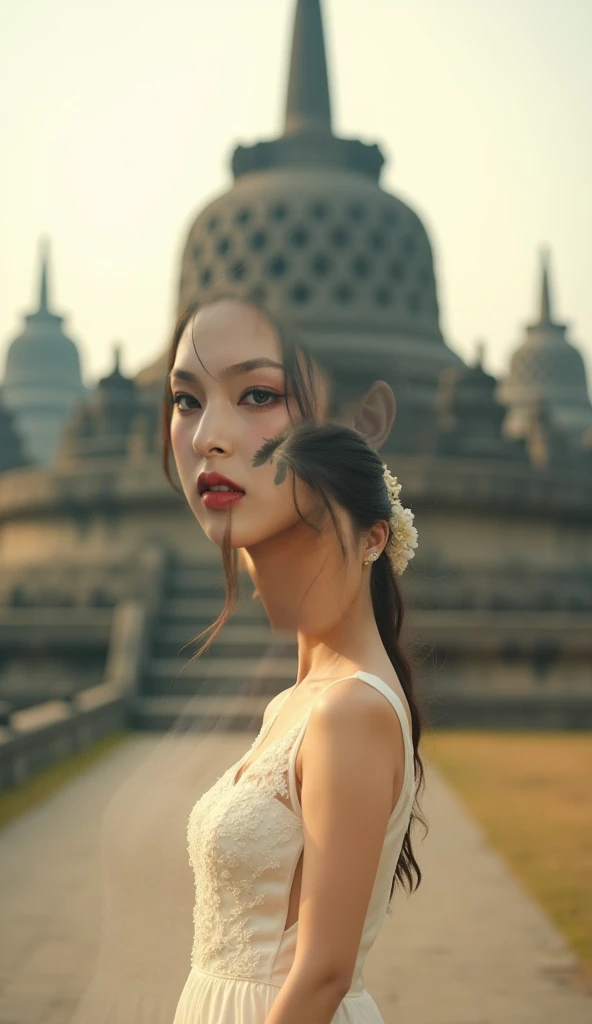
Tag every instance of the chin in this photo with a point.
(242, 535)
(251, 525)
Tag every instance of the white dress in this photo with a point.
(244, 845)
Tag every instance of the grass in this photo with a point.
(41, 785)
(532, 794)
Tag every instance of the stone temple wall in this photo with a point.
(499, 595)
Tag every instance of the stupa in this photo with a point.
(548, 369)
(42, 381)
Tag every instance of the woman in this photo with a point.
(295, 847)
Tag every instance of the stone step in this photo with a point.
(178, 610)
(257, 633)
(164, 650)
(186, 583)
(172, 591)
(225, 686)
(198, 575)
(214, 597)
(167, 669)
(203, 713)
(188, 631)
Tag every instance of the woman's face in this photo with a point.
(229, 394)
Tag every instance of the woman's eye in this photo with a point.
(261, 397)
(185, 403)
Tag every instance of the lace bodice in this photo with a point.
(245, 838)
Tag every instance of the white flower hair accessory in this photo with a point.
(403, 536)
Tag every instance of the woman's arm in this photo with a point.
(303, 999)
(352, 754)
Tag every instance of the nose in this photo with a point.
(212, 433)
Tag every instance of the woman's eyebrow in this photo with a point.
(249, 364)
(237, 370)
(183, 375)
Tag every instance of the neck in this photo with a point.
(349, 644)
(302, 594)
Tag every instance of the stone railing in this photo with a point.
(41, 735)
(132, 624)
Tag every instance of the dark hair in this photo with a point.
(340, 467)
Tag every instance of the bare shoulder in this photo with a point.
(353, 746)
(354, 716)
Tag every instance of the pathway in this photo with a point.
(470, 947)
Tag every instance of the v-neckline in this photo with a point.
(247, 766)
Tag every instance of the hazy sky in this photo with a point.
(118, 120)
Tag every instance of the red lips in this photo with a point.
(207, 480)
(218, 500)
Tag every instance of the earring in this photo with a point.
(371, 557)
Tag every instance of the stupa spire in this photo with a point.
(44, 277)
(307, 139)
(480, 349)
(545, 305)
(308, 105)
(43, 312)
(115, 380)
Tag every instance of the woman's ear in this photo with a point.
(378, 536)
(376, 413)
(376, 540)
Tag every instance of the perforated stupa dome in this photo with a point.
(307, 231)
(546, 368)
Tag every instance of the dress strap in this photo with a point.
(399, 709)
(397, 703)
